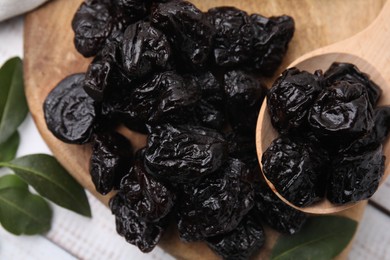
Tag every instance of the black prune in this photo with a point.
(354, 177)
(188, 30)
(297, 169)
(151, 199)
(69, 111)
(240, 243)
(271, 38)
(145, 235)
(110, 160)
(275, 212)
(244, 96)
(349, 72)
(234, 36)
(216, 204)
(209, 115)
(130, 11)
(185, 153)
(144, 50)
(92, 25)
(341, 113)
(290, 98)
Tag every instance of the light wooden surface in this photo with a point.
(49, 56)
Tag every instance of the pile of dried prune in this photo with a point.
(191, 81)
(331, 135)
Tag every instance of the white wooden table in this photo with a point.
(75, 237)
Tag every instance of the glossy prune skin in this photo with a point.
(297, 169)
(166, 97)
(145, 235)
(341, 113)
(144, 50)
(216, 204)
(349, 72)
(290, 98)
(92, 25)
(110, 160)
(275, 212)
(182, 154)
(271, 38)
(234, 36)
(151, 199)
(246, 239)
(244, 95)
(187, 29)
(69, 111)
(354, 177)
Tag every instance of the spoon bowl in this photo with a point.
(367, 50)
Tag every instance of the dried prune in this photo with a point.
(275, 212)
(341, 113)
(297, 169)
(151, 199)
(185, 153)
(234, 36)
(144, 50)
(187, 29)
(145, 235)
(130, 11)
(240, 243)
(69, 111)
(110, 160)
(290, 98)
(244, 96)
(92, 25)
(349, 72)
(209, 115)
(271, 38)
(354, 177)
(216, 204)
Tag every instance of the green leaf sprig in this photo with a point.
(22, 212)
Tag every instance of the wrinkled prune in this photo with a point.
(183, 154)
(151, 199)
(354, 177)
(92, 25)
(240, 243)
(130, 11)
(275, 212)
(234, 36)
(143, 234)
(297, 170)
(290, 98)
(110, 160)
(272, 36)
(216, 204)
(244, 96)
(69, 111)
(144, 50)
(188, 30)
(341, 113)
(349, 72)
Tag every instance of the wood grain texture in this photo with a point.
(50, 56)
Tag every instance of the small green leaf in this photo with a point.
(9, 148)
(321, 238)
(13, 105)
(52, 181)
(24, 213)
(12, 181)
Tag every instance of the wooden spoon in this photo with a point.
(368, 50)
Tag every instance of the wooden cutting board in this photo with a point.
(49, 56)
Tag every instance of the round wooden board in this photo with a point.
(49, 56)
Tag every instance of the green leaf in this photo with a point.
(9, 148)
(321, 238)
(52, 181)
(24, 213)
(12, 181)
(13, 105)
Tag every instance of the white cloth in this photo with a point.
(10, 8)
